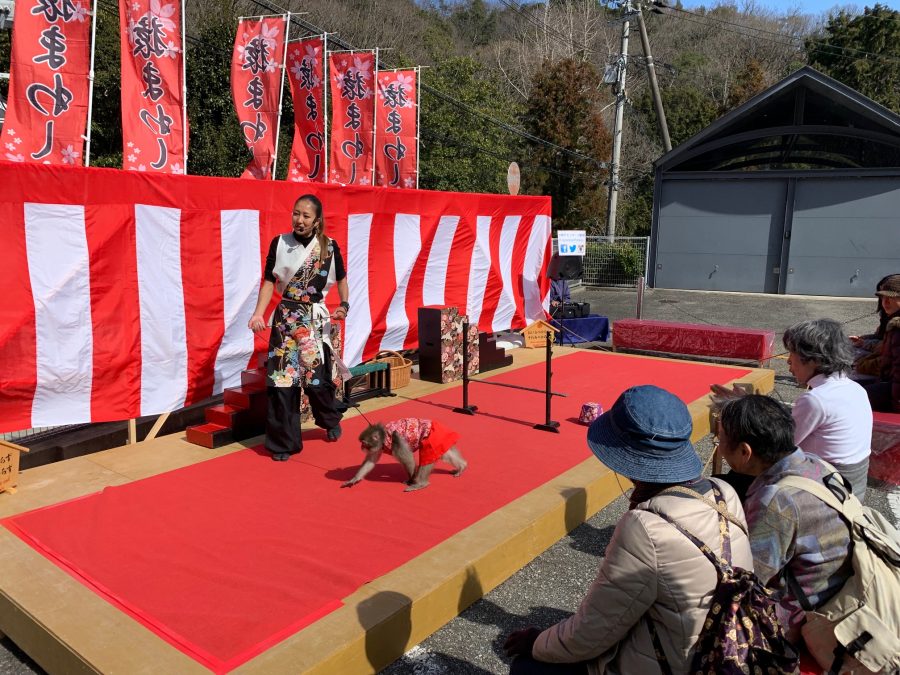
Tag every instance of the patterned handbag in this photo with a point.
(741, 633)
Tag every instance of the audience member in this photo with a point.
(797, 540)
(867, 348)
(884, 394)
(833, 420)
(652, 576)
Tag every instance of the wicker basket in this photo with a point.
(400, 366)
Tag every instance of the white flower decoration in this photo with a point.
(69, 155)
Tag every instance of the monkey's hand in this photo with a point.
(351, 482)
(521, 641)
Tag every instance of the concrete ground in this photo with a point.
(550, 587)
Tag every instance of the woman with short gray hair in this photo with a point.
(833, 420)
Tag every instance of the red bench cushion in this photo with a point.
(695, 339)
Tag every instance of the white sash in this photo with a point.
(289, 256)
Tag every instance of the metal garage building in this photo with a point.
(796, 191)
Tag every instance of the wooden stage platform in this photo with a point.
(67, 628)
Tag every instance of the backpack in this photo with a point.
(741, 633)
(857, 630)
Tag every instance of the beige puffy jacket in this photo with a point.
(650, 570)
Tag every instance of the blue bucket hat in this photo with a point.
(646, 436)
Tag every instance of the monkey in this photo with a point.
(401, 438)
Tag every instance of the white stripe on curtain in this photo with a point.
(534, 259)
(359, 319)
(479, 269)
(407, 246)
(241, 276)
(438, 261)
(506, 308)
(59, 269)
(161, 293)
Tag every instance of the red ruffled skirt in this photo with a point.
(437, 443)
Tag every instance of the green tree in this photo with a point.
(862, 52)
(564, 108)
(460, 150)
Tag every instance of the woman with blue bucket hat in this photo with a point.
(652, 576)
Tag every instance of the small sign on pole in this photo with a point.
(571, 242)
(9, 465)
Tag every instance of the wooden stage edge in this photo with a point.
(67, 628)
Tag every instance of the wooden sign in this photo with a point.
(9, 465)
(512, 179)
(536, 334)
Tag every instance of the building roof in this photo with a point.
(807, 120)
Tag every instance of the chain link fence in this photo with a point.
(614, 262)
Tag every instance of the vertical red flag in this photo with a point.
(256, 88)
(352, 117)
(306, 61)
(46, 117)
(396, 144)
(154, 136)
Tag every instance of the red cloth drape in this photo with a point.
(352, 117)
(46, 117)
(256, 87)
(396, 134)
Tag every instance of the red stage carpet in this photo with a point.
(225, 558)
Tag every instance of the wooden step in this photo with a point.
(490, 356)
(223, 414)
(254, 379)
(209, 435)
(245, 397)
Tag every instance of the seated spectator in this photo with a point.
(867, 348)
(884, 394)
(792, 533)
(651, 572)
(559, 294)
(833, 420)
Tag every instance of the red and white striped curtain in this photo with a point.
(154, 134)
(396, 136)
(119, 300)
(47, 110)
(352, 76)
(306, 63)
(256, 64)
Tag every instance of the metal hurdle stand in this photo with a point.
(466, 409)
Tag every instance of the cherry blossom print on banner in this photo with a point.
(305, 62)
(396, 136)
(256, 88)
(153, 131)
(352, 117)
(46, 117)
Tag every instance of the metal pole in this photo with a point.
(617, 129)
(466, 409)
(418, 118)
(90, 110)
(654, 85)
(374, 115)
(184, 110)
(640, 298)
(287, 28)
(326, 87)
(549, 424)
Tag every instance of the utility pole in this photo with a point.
(617, 129)
(654, 85)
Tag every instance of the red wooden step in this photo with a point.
(223, 415)
(245, 397)
(209, 435)
(254, 379)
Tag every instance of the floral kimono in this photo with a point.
(301, 351)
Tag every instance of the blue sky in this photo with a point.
(806, 6)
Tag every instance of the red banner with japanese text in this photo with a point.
(352, 117)
(396, 136)
(306, 62)
(256, 79)
(154, 135)
(46, 117)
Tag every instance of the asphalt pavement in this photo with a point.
(550, 587)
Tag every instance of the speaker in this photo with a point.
(584, 309)
(569, 310)
(566, 267)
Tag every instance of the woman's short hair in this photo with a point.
(822, 341)
(762, 423)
